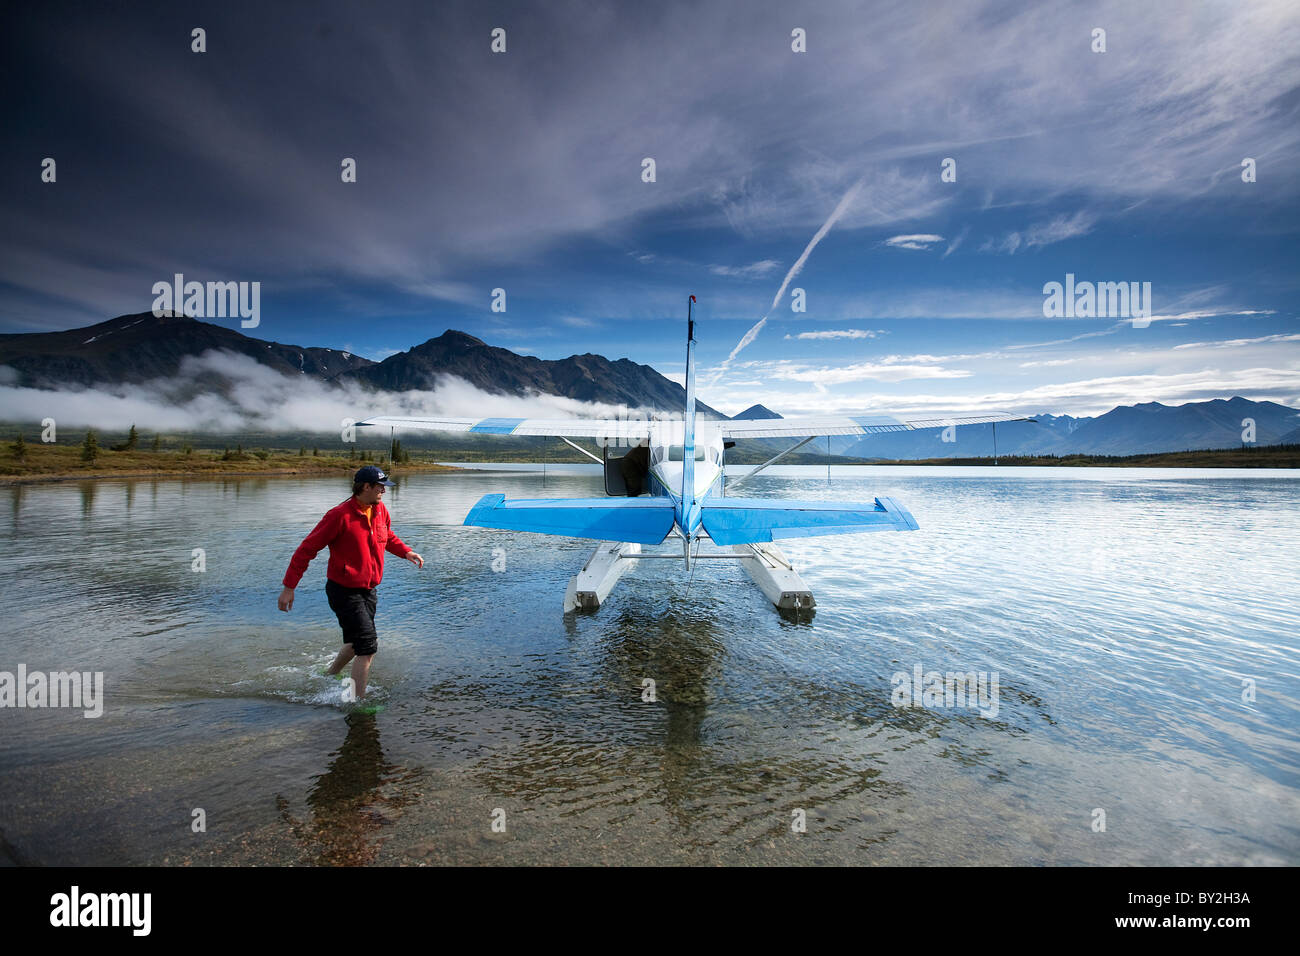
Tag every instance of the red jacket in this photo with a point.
(357, 546)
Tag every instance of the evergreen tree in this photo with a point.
(132, 438)
(157, 442)
(19, 447)
(315, 452)
(90, 447)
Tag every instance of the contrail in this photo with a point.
(795, 269)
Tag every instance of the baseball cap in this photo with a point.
(372, 475)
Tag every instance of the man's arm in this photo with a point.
(396, 545)
(400, 548)
(326, 530)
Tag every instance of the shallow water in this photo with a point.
(1122, 615)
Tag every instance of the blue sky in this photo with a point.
(523, 171)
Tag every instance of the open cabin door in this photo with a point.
(615, 486)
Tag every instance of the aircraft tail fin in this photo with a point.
(688, 436)
(751, 520)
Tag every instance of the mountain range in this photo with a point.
(1146, 428)
(137, 348)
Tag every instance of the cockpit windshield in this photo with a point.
(675, 453)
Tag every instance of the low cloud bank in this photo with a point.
(225, 392)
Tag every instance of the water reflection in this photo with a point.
(349, 802)
(682, 652)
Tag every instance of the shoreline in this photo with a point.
(8, 480)
(446, 468)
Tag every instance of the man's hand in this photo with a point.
(286, 599)
(415, 559)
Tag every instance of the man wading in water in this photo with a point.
(357, 533)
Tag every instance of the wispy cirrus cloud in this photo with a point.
(956, 242)
(1057, 229)
(1060, 228)
(1240, 343)
(839, 334)
(755, 270)
(1048, 363)
(880, 371)
(921, 241)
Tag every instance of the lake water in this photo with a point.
(1142, 628)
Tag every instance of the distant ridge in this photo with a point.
(756, 411)
(1148, 428)
(587, 377)
(139, 347)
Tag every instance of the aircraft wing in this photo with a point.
(851, 424)
(643, 520)
(550, 427)
(751, 520)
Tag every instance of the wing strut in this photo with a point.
(770, 461)
(583, 450)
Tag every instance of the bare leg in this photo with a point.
(361, 672)
(345, 655)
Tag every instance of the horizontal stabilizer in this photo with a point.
(642, 520)
(751, 520)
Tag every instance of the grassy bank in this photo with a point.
(40, 462)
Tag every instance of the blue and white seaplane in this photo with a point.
(690, 498)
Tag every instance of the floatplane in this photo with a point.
(690, 498)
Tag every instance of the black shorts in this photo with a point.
(355, 608)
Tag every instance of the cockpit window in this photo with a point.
(675, 453)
